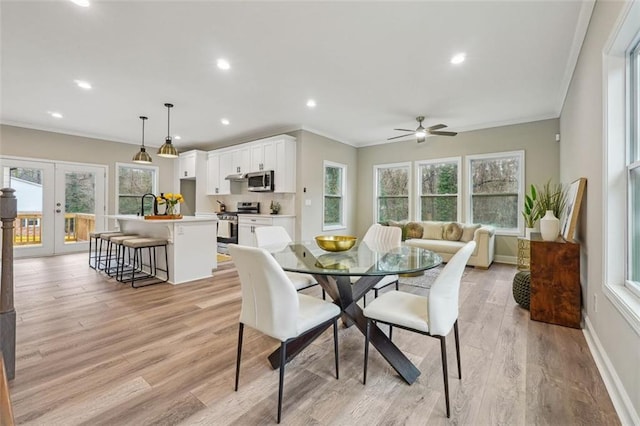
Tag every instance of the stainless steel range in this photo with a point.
(228, 224)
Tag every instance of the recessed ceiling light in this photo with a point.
(223, 64)
(225, 121)
(83, 3)
(311, 103)
(54, 114)
(177, 137)
(83, 84)
(458, 59)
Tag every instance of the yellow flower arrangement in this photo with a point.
(171, 200)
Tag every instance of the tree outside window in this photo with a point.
(392, 191)
(132, 183)
(334, 194)
(495, 189)
(438, 189)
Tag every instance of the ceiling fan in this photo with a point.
(422, 132)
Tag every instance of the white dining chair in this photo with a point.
(382, 238)
(271, 305)
(434, 315)
(277, 237)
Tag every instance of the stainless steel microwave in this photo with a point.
(260, 181)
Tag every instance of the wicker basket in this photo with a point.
(522, 288)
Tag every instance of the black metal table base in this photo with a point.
(345, 295)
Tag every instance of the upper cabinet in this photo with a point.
(277, 153)
(191, 163)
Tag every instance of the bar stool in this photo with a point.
(118, 253)
(110, 254)
(138, 270)
(95, 247)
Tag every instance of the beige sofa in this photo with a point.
(440, 237)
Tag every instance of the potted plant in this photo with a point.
(275, 207)
(530, 213)
(549, 206)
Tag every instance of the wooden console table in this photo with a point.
(555, 282)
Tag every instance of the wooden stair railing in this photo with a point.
(6, 412)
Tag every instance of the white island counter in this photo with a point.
(192, 243)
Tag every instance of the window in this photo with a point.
(392, 191)
(133, 181)
(633, 175)
(496, 183)
(334, 196)
(438, 189)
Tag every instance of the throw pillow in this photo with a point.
(432, 230)
(402, 225)
(414, 230)
(468, 232)
(453, 231)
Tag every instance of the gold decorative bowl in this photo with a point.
(335, 242)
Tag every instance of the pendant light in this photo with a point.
(168, 150)
(142, 157)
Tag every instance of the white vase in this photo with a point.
(549, 226)
(527, 233)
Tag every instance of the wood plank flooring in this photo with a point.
(91, 351)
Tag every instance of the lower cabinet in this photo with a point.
(247, 225)
(555, 282)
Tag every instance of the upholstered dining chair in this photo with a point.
(271, 305)
(434, 315)
(277, 236)
(384, 238)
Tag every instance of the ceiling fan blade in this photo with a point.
(443, 133)
(401, 136)
(404, 130)
(437, 127)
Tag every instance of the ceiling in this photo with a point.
(370, 66)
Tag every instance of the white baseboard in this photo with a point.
(511, 260)
(619, 397)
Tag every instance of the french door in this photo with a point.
(59, 204)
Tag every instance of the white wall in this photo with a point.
(581, 155)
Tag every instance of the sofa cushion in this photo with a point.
(432, 230)
(468, 232)
(439, 246)
(414, 230)
(452, 231)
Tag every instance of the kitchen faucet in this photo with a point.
(155, 204)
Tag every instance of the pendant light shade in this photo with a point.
(142, 157)
(168, 150)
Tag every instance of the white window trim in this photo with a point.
(343, 216)
(418, 184)
(377, 167)
(136, 166)
(617, 115)
(519, 231)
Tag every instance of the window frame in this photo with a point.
(376, 169)
(119, 166)
(343, 195)
(618, 124)
(418, 184)
(519, 154)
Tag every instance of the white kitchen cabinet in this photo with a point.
(263, 156)
(241, 159)
(247, 225)
(213, 173)
(226, 168)
(188, 163)
(285, 167)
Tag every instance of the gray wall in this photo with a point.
(37, 144)
(537, 139)
(312, 151)
(581, 151)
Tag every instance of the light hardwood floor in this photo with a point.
(96, 352)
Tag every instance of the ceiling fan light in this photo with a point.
(421, 134)
(422, 138)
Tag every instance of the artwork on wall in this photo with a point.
(572, 208)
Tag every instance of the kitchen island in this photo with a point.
(192, 243)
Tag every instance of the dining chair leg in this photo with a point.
(283, 361)
(390, 333)
(240, 330)
(397, 283)
(324, 294)
(443, 353)
(366, 351)
(455, 331)
(335, 346)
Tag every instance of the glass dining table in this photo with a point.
(334, 272)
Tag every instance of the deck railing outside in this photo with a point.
(28, 227)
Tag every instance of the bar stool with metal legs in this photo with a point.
(120, 255)
(111, 251)
(146, 273)
(95, 247)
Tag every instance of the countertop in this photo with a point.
(265, 215)
(135, 218)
